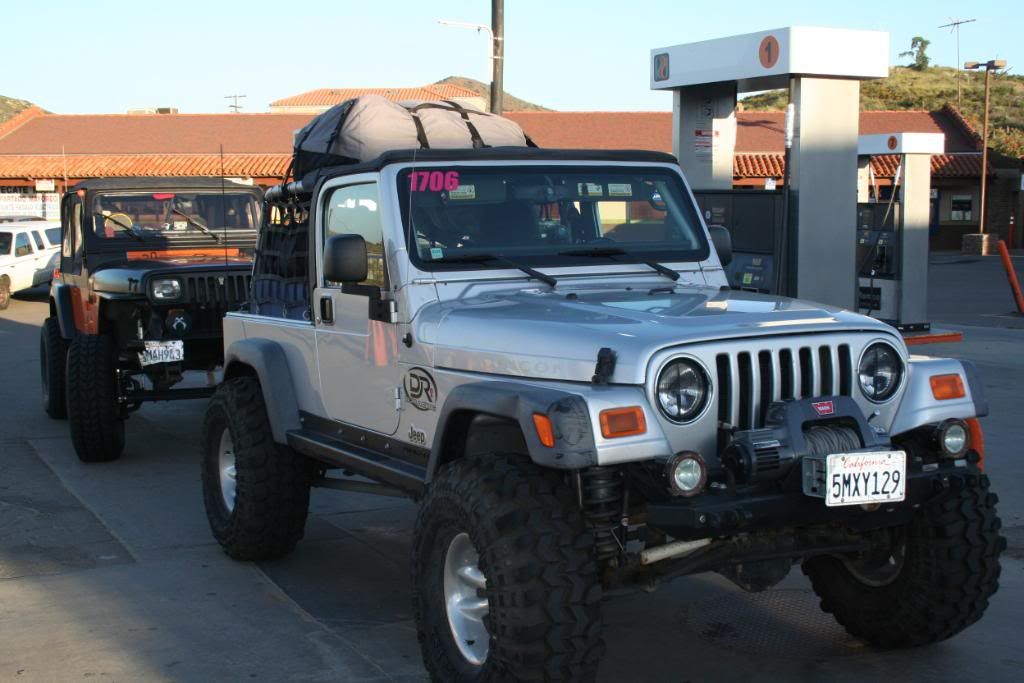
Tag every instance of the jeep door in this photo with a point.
(357, 356)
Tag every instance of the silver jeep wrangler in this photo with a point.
(541, 348)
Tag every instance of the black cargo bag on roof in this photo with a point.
(363, 128)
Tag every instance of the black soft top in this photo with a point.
(160, 183)
(307, 184)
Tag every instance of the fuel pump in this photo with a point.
(892, 228)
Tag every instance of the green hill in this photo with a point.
(930, 89)
(10, 106)
(509, 102)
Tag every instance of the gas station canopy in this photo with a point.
(767, 59)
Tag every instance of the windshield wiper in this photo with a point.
(125, 227)
(191, 221)
(609, 252)
(483, 258)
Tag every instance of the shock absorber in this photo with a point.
(601, 497)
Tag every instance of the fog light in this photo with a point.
(687, 473)
(952, 438)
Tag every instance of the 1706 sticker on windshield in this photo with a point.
(433, 181)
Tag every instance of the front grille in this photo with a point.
(222, 290)
(750, 381)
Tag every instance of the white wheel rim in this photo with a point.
(226, 469)
(463, 601)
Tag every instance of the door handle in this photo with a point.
(326, 309)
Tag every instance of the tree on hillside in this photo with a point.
(918, 46)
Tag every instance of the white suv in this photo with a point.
(28, 254)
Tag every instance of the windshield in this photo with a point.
(5, 243)
(167, 214)
(547, 215)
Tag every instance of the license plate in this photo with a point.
(858, 478)
(162, 352)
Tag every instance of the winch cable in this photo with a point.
(826, 440)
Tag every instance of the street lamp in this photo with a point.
(496, 49)
(989, 66)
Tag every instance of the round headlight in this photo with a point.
(682, 390)
(167, 289)
(880, 372)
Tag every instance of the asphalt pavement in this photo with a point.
(108, 571)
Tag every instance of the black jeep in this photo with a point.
(148, 268)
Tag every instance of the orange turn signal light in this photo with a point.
(618, 422)
(945, 387)
(545, 430)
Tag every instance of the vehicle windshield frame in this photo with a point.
(170, 240)
(551, 259)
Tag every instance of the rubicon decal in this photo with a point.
(824, 408)
(420, 389)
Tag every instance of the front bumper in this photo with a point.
(721, 513)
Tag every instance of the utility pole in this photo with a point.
(498, 61)
(989, 66)
(954, 26)
(235, 107)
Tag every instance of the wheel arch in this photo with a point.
(266, 360)
(62, 308)
(504, 406)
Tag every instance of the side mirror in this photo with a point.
(722, 240)
(345, 259)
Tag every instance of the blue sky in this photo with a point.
(107, 56)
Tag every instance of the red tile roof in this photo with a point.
(758, 166)
(943, 165)
(259, 144)
(31, 167)
(154, 134)
(328, 97)
(19, 119)
(597, 130)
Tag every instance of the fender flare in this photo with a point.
(270, 365)
(919, 407)
(63, 309)
(574, 435)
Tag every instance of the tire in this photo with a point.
(97, 428)
(267, 515)
(5, 294)
(950, 569)
(542, 589)
(53, 360)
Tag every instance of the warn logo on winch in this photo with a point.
(824, 408)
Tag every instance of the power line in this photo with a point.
(234, 106)
(954, 26)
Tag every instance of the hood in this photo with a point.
(125, 277)
(557, 335)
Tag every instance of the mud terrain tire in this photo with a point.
(271, 485)
(53, 360)
(950, 570)
(97, 429)
(542, 589)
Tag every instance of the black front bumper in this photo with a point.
(722, 513)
